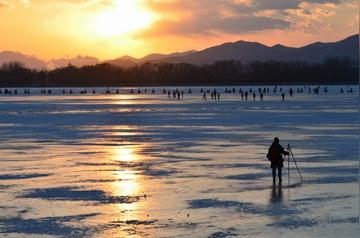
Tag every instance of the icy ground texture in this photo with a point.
(144, 165)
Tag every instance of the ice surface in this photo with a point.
(136, 165)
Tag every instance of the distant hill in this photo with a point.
(33, 62)
(252, 51)
(77, 61)
(28, 61)
(128, 61)
(155, 57)
(243, 51)
(123, 61)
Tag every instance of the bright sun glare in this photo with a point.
(124, 17)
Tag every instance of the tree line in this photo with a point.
(331, 71)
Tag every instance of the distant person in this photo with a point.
(218, 96)
(94, 92)
(341, 90)
(190, 92)
(169, 94)
(283, 96)
(117, 91)
(132, 91)
(275, 153)
(63, 91)
(246, 95)
(254, 97)
(291, 92)
(242, 96)
(204, 96)
(153, 91)
(182, 94)
(261, 97)
(212, 96)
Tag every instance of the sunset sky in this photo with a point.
(112, 28)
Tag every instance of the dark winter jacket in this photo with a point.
(275, 155)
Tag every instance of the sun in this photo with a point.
(125, 16)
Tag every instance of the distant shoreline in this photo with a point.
(333, 71)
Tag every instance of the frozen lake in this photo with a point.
(145, 165)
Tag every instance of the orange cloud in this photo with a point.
(54, 28)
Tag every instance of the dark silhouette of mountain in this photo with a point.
(154, 57)
(318, 51)
(242, 51)
(128, 61)
(28, 61)
(252, 51)
(123, 61)
(78, 61)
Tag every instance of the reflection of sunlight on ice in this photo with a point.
(132, 99)
(127, 179)
(124, 154)
(128, 183)
(124, 99)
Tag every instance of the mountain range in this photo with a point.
(243, 51)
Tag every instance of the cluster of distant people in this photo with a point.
(261, 92)
(214, 94)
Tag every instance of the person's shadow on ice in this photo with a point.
(276, 194)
